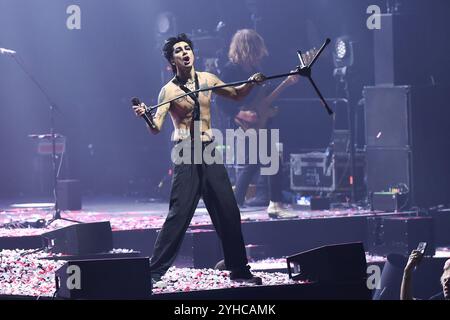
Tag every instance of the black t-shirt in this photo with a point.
(232, 72)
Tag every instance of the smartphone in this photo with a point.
(421, 247)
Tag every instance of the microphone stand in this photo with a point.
(343, 88)
(302, 70)
(57, 211)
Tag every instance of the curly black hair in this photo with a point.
(168, 47)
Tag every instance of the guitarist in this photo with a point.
(247, 50)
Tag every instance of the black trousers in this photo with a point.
(190, 182)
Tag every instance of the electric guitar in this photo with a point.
(258, 113)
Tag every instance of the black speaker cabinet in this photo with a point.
(400, 235)
(407, 141)
(69, 195)
(125, 278)
(388, 168)
(441, 218)
(386, 112)
(395, 50)
(80, 239)
(401, 42)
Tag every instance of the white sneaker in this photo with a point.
(276, 210)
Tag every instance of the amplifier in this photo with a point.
(389, 201)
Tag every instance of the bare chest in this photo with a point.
(184, 107)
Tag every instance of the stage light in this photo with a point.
(166, 23)
(343, 52)
(341, 49)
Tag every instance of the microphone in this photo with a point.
(6, 51)
(136, 102)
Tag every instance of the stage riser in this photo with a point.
(202, 249)
(287, 237)
(357, 291)
(293, 292)
(274, 238)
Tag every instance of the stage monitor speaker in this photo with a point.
(340, 263)
(127, 278)
(80, 239)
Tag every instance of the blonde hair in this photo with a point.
(247, 47)
(447, 265)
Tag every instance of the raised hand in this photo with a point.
(293, 79)
(309, 55)
(413, 261)
(258, 78)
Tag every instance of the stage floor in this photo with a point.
(23, 273)
(27, 275)
(135, 222)
(18, 217)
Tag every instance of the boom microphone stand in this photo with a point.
(302, 70)
(57, 212)
(53, 137)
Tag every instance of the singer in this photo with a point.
(191, 118)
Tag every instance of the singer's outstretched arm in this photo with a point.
(161, 113)
(235, 93)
